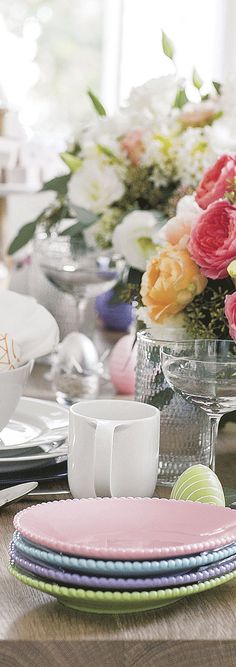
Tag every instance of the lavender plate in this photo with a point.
(123, 569)
(119, 584)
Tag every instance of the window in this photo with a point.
(51, 51)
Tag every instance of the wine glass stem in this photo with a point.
(81, 304)
(214, 424)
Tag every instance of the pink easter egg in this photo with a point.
(122, 365)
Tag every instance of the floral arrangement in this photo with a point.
(146, 182)
(189, 281)
(128, 171)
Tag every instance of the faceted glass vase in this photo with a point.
(184, 436)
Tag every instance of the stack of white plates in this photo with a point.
(33, 446)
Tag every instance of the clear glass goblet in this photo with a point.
(204, 373)
(84, 273)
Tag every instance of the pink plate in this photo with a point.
(127, 528)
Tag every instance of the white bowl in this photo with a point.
(11, 387)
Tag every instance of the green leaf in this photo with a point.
(58, 184)
(107, 151)
(181, 98)
(217, 86)
(71, 161)
(97, 104)
(134, 276)
(167, 46)
(196, 79)
(86, 217)
(25, 234)
(73, 230)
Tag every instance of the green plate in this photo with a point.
(106, 602)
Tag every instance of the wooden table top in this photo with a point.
(37, 630)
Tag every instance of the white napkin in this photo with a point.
(30, 325)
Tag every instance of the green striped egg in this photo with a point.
(199, 483)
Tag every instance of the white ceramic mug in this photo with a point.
(113, 448)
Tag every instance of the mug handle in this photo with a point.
(104, 436)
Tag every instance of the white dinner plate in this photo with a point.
(34, 423)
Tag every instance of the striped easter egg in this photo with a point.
(199, 483)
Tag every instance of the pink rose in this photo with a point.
(216, 181)
(178, 229)
(133, 146)
(212, 242)
(230, 312)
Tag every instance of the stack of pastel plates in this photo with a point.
(33, 446)
(119, 555)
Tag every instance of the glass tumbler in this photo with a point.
(185, 432)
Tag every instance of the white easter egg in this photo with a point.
(76, 349)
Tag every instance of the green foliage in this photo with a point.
(128, 289)
(85, 219)
(196, 79)
(161, 394)
(217, 86)
(231, 192)
(167, 46)
(58, 184)
(25, 235)
(205, 316)
(49, 218)
(181, 98)
(141, 192)
(98, 106)
(72, 161)
(107, 151)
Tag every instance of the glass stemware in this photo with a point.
(82, 272)
(204, 373)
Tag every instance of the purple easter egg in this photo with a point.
(114, 316)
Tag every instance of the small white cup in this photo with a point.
(113, 448)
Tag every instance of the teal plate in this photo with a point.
(120, 568)
(101, 602)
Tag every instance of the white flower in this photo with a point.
(132, 238)
(159, 152)
(90, 234)
(95, 186)
(154, 98)
(194, 155)
(172, 330)
(188, 206)
(106, 131)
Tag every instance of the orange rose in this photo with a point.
(171, 281)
